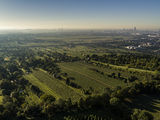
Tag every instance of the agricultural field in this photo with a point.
(52, 86)
(85, 76)
(84, 72)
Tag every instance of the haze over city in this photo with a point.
(79, 14)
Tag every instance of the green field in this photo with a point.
(86, 77)
(52, 86)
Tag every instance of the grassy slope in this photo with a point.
(88, 78)
(53, 86)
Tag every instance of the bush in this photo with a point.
(141, 115)
(114, 101)
(47, 98)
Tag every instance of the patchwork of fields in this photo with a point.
(85, 76)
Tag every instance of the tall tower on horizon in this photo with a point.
(135, 29)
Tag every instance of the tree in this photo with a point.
(7, 85)
(36, 90)
(132, 78)
(34, 112)
(114, 101)
(67, 81)
(1, 108)
(119, 75)
(157, 75)
(113, 75)
(47, 98)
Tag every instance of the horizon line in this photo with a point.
(131, 28)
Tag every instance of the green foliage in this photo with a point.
(157, 75)
(114, 101)
(140, 61)
(141, 115)
(47, 98)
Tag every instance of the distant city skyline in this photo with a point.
(79, 14)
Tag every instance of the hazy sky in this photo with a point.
(80, 14)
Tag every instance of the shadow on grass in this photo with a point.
(150, 103)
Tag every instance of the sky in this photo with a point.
(79, 14)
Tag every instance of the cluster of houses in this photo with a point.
(139, 46)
